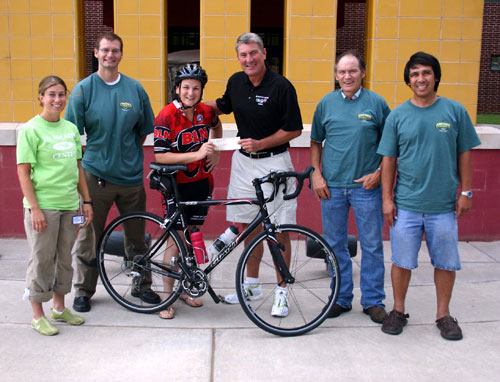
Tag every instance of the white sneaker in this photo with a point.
(252, 291)
(280, 304)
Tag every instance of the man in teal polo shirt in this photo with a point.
(428, 140)
(347, 174)
(114, 112)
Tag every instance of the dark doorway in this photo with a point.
(183, 22)
(267, 20)
(183, 36)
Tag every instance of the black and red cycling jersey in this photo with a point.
(175, 133)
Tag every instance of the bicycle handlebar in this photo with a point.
(273, 177)
(276, 177)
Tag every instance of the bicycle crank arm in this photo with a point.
(211, 292)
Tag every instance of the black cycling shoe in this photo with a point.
(81, 304)
(147, 295)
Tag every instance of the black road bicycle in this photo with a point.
(131, 252)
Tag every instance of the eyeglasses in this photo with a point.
(106, 51)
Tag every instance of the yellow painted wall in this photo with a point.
(44, 37)
(221, 22)
(37, 38)
(142, 26)
(310, 32)
(448, 29)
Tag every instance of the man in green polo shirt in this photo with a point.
(115, 114)
(349, 121)
(428, 141)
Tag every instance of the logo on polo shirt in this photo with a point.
(364, 117)
(261, 100)
(125, 106)
(199, 118)
(444, 127)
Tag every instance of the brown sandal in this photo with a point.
(167, 314)
(191, 301)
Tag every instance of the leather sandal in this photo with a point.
(191, 301)
(167, 314)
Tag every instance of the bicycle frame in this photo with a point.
(262, 217)
(256, 222)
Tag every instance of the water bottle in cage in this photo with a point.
(198, 246)
(224, 239)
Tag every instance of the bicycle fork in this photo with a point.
(275, 247)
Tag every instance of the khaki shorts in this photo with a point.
(243, 171)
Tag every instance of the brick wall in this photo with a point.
(489, 82)
(94, 26)
(351, 35)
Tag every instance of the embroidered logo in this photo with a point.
(261, 100)
(125, 106)
(364, 117)
(443, 127)
(199, 118)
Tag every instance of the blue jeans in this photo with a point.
(367, 207)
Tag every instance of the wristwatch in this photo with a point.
(467, 193)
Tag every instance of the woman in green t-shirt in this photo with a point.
(49, 152)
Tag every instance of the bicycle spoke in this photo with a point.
(297, 304)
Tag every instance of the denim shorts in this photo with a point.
(441, 236)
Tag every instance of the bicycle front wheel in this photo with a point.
(310, 296)
(134, 259)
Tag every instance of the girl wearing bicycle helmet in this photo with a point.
(49, 153)
(182, 130)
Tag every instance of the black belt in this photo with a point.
(263, 154)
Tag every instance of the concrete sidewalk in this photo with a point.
(219, 343)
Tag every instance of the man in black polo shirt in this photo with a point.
(267, 114)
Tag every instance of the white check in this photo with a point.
(222, 144)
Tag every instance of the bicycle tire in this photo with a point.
(310, 297)
(122, 245)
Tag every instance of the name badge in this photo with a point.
(78, 219)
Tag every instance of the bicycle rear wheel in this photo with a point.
(310, 296)
(125, 271)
